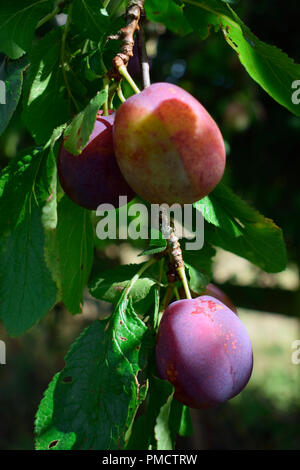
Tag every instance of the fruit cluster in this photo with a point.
(164, 146)
(167, 146)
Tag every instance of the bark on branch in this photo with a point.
(134, 11)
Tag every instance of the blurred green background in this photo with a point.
(262, 140)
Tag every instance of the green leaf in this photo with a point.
(142, 434)
(152, 251)
(261, 243)
(180, 419)
(202, 21)
(173, 419)
(199, 265)
(108, 285)
(162, 430)
(18, 20)
(156, 245)
(11, 74)
(89, 19)
(226, 210)
(259, 240)
(26, 286)
(215, 213)
(49, 212)
(98, 392)
(45, 102)
(225, 200)
(78, 132)
(163, 420)
(198, 280)
(271, 68)
(47, 437)
(75, 247)
(168, 13)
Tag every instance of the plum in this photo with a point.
(214, 291)
(94, 177)
(168, 147)
(217, 293)
(204, 350)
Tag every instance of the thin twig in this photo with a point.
(143, 58)
(50, 15)
(62, 56)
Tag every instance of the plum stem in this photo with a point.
(143, 58)
(105, 104)
(111, 94)
(120, 93)
(165, 302)
(157, 309)
(182, 275)
(176, 293)
(124, 72)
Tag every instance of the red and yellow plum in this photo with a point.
(168, 147)
(93, 177)
(204, 350)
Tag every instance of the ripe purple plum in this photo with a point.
(94, 177)
(169, 149)
(204, 350)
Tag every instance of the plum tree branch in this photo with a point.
(176, 266)
(134, 11)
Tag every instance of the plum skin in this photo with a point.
(168, 147)
(214, 291)
(93, 177)
(204, 350)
